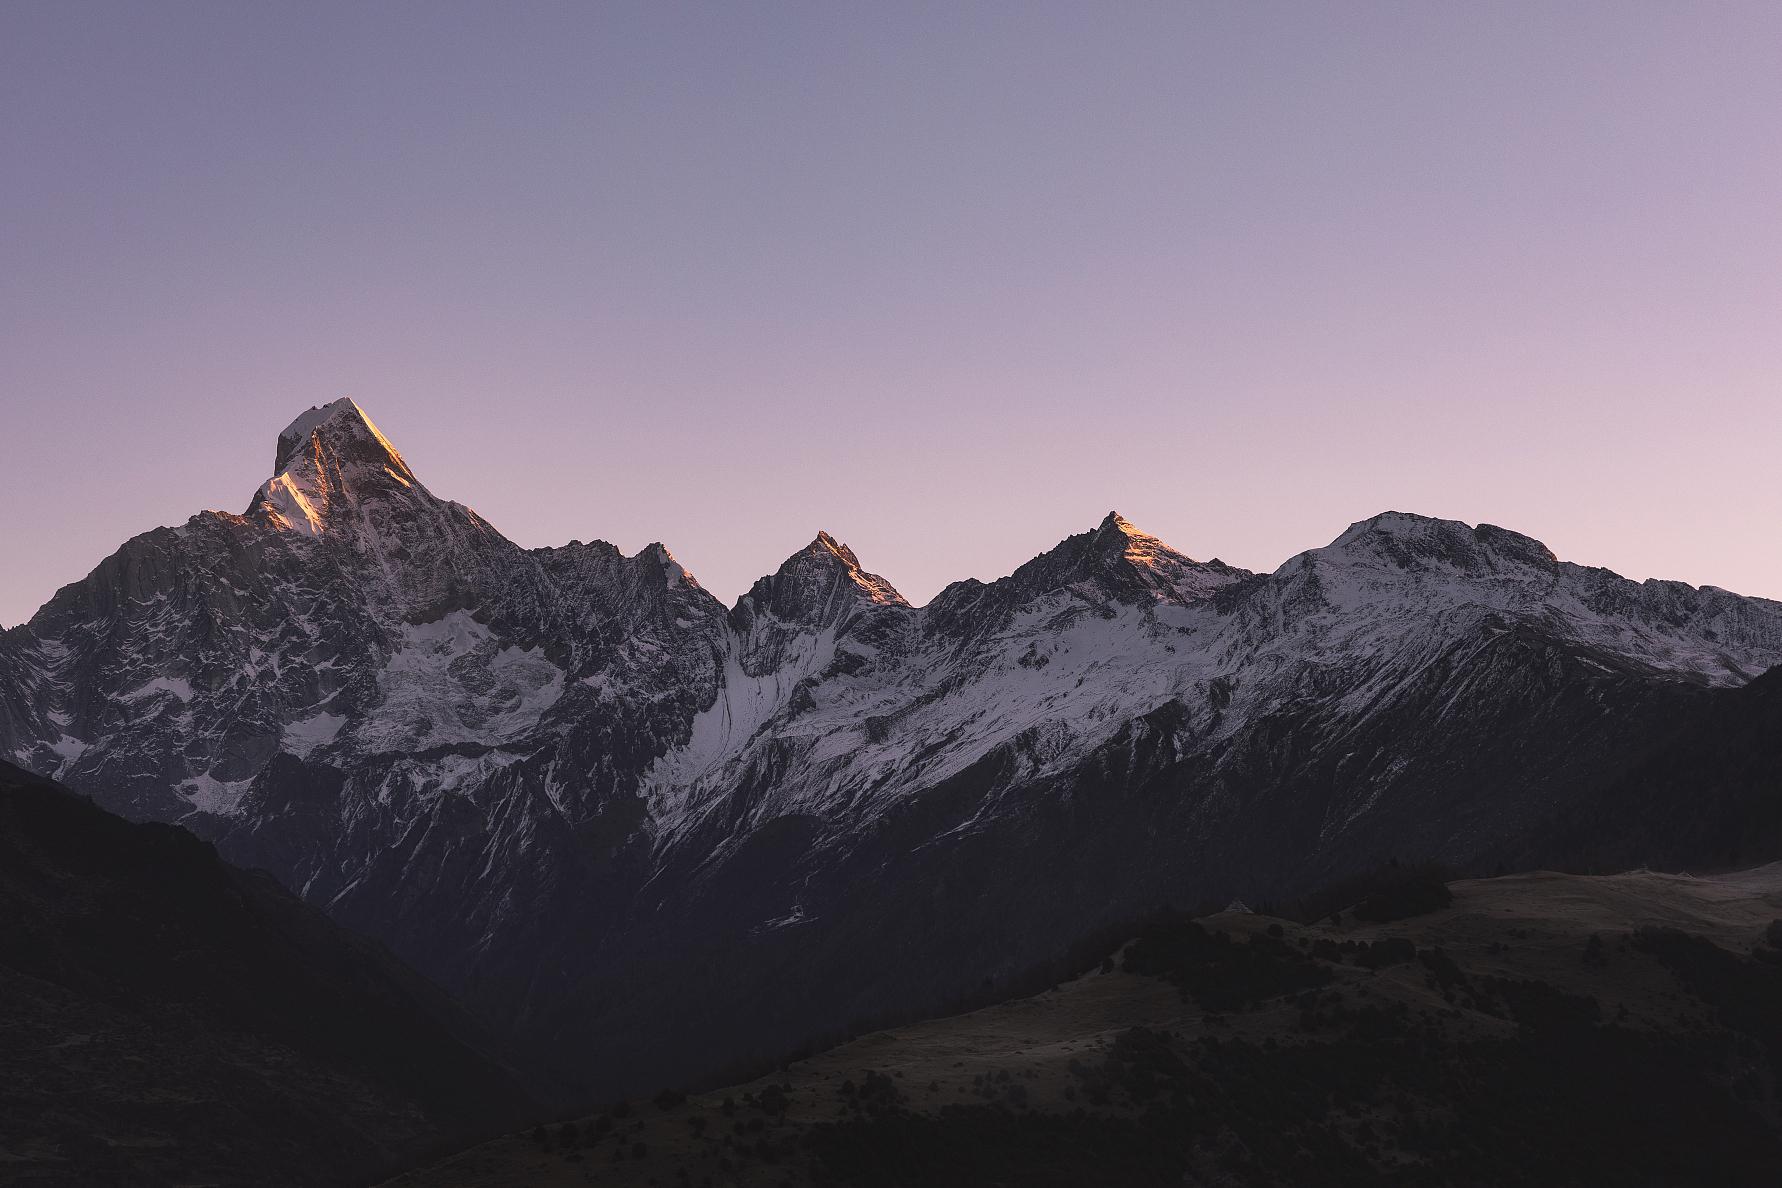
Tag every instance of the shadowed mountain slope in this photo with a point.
(168, 1019)
(1707, 794)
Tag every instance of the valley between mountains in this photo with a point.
(651, 840)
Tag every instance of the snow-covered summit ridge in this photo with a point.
(1399, 547)
(1387, 578)
(1406, 540)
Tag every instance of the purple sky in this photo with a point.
(949, 283)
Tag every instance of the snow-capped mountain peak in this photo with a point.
(818, 584)
(1118, 536)
(1118, 561)
(330, 455)
(824, 552)
(825, 543)
(673, 572)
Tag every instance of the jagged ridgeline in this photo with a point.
(656, 837)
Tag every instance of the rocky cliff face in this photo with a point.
(626, 821)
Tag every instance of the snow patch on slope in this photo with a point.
(207, 794)
(302, 737)
(173, 686)
(452, 681)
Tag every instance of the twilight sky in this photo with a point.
(950, 281)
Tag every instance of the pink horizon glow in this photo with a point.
(948, 283)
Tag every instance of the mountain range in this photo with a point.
(653, 838)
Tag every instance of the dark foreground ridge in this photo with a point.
(1537, 1029)
(166, 1018)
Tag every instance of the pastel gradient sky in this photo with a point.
(949, 281)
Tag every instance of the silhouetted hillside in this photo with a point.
(166, 1018)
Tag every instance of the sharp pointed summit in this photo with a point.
(339, 425)
(1121, 562)
(825, 543)
(330, 454)
(1118, 536)
(819, 583)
